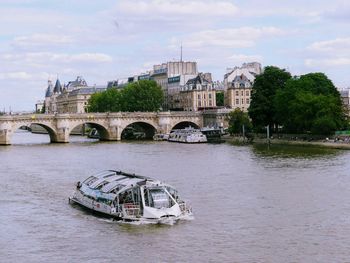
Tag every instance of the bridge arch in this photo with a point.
(103, 132)
(143, 129)
(50, 130)
(185, 124)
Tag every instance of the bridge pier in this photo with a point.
(5, 136)
(62, 136)
(115, 134)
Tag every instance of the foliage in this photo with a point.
(43, 109)
(144, 95)
(310, 103)
(237, 119)
(109, 100)
(220, 98)
(262, 110)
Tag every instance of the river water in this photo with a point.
(251, 204)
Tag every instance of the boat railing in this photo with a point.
(131, 209)
(184, 207)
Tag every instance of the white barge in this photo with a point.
(130, 197)
(187, 135)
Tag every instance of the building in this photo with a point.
(171, 76)
(197, 94)
(345, 96)
(238, 83)
(71, 98)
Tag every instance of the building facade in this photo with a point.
(197, 94)
(238, 83)
(71, 98)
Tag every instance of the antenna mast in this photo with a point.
(181, 54)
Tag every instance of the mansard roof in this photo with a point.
(78, 82)
(199, 79)
(49, 90)
(58, 87)
(86, 91)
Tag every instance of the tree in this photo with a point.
(310, 103)
(262, 109)
(143, 95)
(106, 101)
(220, 98)
(237, 119)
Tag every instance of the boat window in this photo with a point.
(90, 180)
(157, 198)
(130, 196)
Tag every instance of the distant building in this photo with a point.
(71, 98)
(345, 96)
(197, 94)
(238, 83)
(171, 76)
(39, 105)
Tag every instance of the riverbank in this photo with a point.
(318, 143)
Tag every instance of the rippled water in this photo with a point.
(251, 204)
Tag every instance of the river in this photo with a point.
(251, 204)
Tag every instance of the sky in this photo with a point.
(107, 40)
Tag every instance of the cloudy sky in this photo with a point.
(104, 40)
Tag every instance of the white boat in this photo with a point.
(130, 197)
(161, 137)
(187, 135)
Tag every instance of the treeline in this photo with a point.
(143, 95)
(301, 104)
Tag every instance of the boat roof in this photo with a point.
(107, 181)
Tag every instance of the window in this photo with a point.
(247, 93)
(209, 95)
(204, 95)
(247, 101)
(242, 101)
(157, 198)
(237, 101)
(237, 93)
(242, 93)
(199, 96)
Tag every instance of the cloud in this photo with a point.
(242, 37)
(169, 8)
(329, 53)
(42, 40)
(241, 58)
(331, 62)
(48, 57)
(334, 45)
(15, 76)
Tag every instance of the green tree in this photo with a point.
(220, 98)
(143, 95)
(262, 109)
(106, 101)
(237, 119)
(310, 103)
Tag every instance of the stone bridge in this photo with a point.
(109, 125)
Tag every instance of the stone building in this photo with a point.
(71, 98)
(197, 94)
(238, 83)
(171, 76)
(345, 96)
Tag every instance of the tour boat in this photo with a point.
(187, 135)
(161, 137)
(129, 197)
(213, 134)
